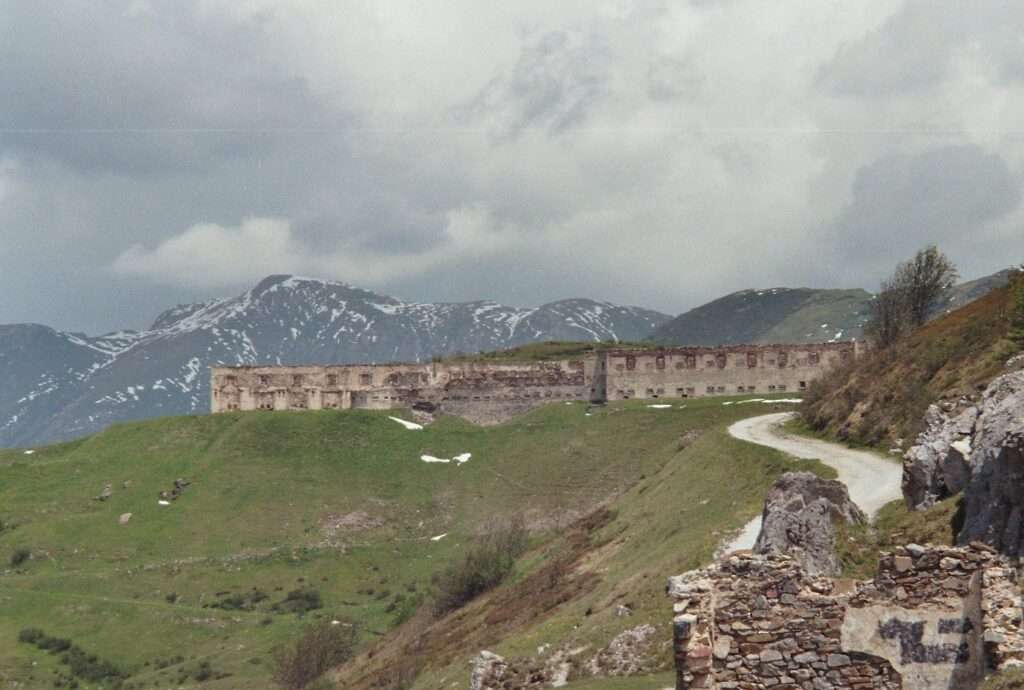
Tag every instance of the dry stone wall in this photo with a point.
(933, 617)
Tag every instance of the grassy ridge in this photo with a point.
(265, 488)
(883, 397)
(552, 349)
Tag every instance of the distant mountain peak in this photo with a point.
(64, 385)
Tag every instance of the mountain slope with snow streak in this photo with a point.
(64, 385)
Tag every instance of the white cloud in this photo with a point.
(209, 255)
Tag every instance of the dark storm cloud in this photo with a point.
(559, 77)
(104, 89)
(902, 202)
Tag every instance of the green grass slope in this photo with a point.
(340, 504)
(779, 315)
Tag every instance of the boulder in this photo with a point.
(938, 465)
(797, 520)
(488, 671)
(631, 652)
(994, 497)
(124, 519)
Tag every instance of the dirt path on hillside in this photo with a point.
(872, 481)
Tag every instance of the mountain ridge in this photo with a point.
(61, 385)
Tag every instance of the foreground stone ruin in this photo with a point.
(933, 617)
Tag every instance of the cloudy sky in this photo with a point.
(652, 153)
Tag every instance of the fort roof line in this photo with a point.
(492, 391)
(467, 360)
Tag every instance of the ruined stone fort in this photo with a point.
(492, 392)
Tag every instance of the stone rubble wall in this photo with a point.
(932, 617)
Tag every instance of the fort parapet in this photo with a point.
(491, 392)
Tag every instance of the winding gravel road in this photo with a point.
(872, 481)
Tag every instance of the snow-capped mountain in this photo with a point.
(62, 385)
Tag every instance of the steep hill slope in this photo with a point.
(59, 386)
(801, 315)
(883, 397)
(340, 504)
(777, 315)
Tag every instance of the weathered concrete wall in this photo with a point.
(738, 369)
(485, 393)
(493, 392)
(933, 617)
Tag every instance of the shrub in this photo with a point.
(299, 601)
(30, 635)
(489, 561)
(87, 667)
(320, 647)
(1016, 334)
(19, 556)
(404, 608)
(203, 672)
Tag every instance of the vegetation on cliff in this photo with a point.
(880, 399)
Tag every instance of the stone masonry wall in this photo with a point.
(489, 392)
(933, 617)
(696, 371)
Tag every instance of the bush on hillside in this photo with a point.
(19, 556)
(299, 601)
(1016, 334)
(321, 647)
(489, 560)
(82, 665)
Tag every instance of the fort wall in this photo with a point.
(492, 392)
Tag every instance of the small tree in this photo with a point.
(923, 280)
(908, 297)
(889, 318)
(1016, 333)
(321, 647)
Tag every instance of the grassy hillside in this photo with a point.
(779, 315)
(338, 507)
(552, 349)
(883, 397)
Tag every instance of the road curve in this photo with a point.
(872, 481)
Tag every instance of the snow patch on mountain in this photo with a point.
(69, 384)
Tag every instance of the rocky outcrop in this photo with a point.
(938, 466)
(798, 517)
(629, 653)
(994, 498)
(487, 671)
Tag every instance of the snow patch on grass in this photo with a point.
(411, 426)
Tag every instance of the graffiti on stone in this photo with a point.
(913, 650)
